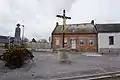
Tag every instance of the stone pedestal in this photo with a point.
(63, 55)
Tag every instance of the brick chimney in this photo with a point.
(57, 23)
(92, 22)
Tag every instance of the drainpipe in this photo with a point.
(96, 35)
(97, 41)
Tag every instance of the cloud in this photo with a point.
(103, 11)
(38, 16)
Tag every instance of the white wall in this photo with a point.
(103, 40)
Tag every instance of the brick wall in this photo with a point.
(77, 37)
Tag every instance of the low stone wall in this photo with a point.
(39, 45)
(40, 50)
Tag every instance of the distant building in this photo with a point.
(17, 35)
(33, 40)
(14, 40)
(5, 40)
(108, 38)
(79, 37)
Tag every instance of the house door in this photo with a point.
(73, 44)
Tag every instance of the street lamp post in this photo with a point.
(23, 35)
(9, 42)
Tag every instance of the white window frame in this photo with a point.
(57, 41)
(65, 40)
(83, 42)
(90, 42)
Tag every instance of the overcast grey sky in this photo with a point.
(39, 16)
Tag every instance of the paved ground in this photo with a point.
(46, 66)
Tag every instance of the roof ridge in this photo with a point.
(76, 24)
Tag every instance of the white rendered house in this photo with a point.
(108, 38)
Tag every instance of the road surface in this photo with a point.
(46, 66)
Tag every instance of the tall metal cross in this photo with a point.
(64, 17)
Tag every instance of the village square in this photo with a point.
(80, 51)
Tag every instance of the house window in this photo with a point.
(111, 40)
(57, 40)
(65, 40)
(91, 42)
(81, 43)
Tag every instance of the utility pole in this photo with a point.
(23, 35)
(9, 42)
(64, 17)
